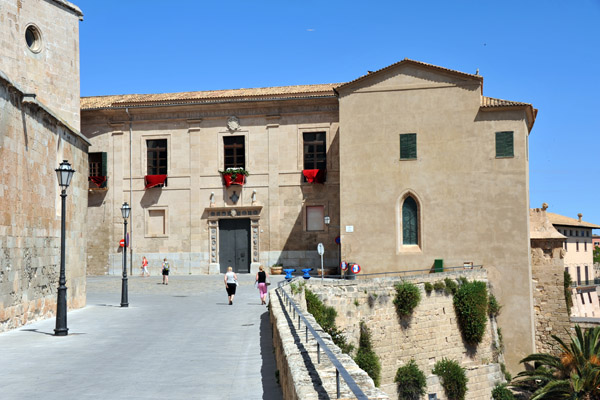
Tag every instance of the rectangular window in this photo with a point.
(576, 246)
(504, 144)
(566, 248)
(235, 152)
(582, 299)
(586, 274)
(408, 146)
(156, 156)
(314, 218)
(315, 156)
(590, 297)
(97, 163)
(570, 232)
(579, 275)
(576, 233)
(584, 246)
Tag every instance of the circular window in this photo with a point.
(33, 37)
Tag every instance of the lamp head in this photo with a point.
(326, 219)
(64, 172)
(125, 209)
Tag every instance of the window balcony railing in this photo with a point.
(591, 282)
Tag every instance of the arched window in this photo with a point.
(410, 222)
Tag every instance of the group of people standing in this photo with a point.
(164, 270)
(261, 282)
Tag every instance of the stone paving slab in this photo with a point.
(181, 341)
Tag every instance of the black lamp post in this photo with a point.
(64, 172)
(125, 209)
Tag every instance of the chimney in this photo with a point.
(580, 215)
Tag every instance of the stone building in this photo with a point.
(39, 127)
(408, 165)
(579, 262)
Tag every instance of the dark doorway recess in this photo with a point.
(234, 245)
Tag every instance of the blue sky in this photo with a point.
(542, 52)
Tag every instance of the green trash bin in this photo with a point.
(438, 265)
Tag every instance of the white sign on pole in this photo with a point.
(321, 250)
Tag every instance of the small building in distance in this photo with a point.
(579, 262)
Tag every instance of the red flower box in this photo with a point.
(239, 179)
(315, 175)
(155, 180)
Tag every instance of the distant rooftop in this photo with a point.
(557, 219)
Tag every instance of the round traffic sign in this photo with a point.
(122, 242)
(356, 268)
(338, 240)
(343, 265)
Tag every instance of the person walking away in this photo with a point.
(165, 272)
(231, 284)
(261, 279)
(145, 267)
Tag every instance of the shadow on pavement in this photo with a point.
(271, 389)
(48, 333)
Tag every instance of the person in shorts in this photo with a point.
(165, 272)
(231, 284)
(145, 267)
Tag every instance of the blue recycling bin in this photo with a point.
(306, 274)
(288, 273)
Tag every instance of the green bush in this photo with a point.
(507, 374)
(366, 358)
(451, 286)
(567, 286)
(407, 298)
(453, 378)
(470, 306)
(501, 392)
(411, 381)
(439, 286)
(325, 316)
(428, 287)
(493, 306)
(462, 280)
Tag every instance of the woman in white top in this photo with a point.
(231, 283)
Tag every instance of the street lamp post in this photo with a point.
(64, 172)
(125, 209)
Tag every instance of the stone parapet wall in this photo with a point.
(300, 375)
(432, 333)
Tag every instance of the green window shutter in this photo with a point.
(408, 146)
(505, 144)
(410, 222)
(104, 164)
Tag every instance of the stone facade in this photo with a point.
(431, 334)
(547, 272)
(35, 136)
(457, 177)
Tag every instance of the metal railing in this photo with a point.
(591, 282)
(349, 275)
(290, 305)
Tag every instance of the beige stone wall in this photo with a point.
(52, 73)
(431, 334)
(274, 158)
(32, 145)
(473, 207)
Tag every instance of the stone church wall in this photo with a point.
(32, 144)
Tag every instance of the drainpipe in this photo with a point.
(130, 198)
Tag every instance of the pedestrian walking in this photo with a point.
(231, 284)
(145, 267)
(165, 272)
(262, 279)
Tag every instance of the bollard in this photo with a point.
(306, 333)
(298, 320)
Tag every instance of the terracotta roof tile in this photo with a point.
(209, 96)
(557, 219)
(492, 102)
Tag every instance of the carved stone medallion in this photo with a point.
(233, 123)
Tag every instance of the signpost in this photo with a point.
(321, 250)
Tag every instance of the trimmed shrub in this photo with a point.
(411, 381)
(439, 286)
(453, 378)
(501, 392)
(428, 287)
(451, 286)
(470, 306)
(407, 298)
(366, 358)
(493, 306)
(325, 316)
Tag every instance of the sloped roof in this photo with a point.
(491, 103)
(557, 219)
(540, 226)
(71, 7)
(209, 96)
(413, 62)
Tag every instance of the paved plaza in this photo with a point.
(176, 341)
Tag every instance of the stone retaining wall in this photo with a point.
(300, 375)
(431, 334)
